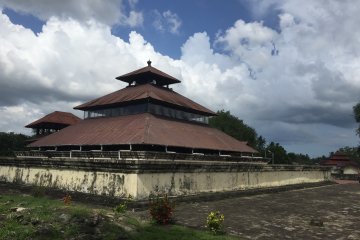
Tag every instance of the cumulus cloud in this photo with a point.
(305, 73)
(296, 85)
(134, 19)
(251, 43)
(14, 118)
(68, 61)
(167, 22)
(108, 12)
(303, 76)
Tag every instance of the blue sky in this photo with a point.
(195, 16)
(287, 68)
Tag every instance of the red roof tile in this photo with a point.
(57, 117)
(144, 91)
(143, 129)
(340, 156)
(339, 163)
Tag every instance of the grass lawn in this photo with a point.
(29, 217)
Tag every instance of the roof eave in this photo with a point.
(208, 113)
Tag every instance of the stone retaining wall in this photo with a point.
(354, 177)
(118, 178)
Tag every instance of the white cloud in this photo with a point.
(134, 19)
(65, 61)
(133, 3)
(108, 12)
(197, 49)
(167, 22)
(252, 43)
(173, 20)
(296, 86)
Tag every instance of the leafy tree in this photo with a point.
(235, 127)
(261, 145)
(317, 160)
(357, 116)
(10, 142)
(299, 158)
(280, 154)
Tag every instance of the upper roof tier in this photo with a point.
(148, 74)
(148, 92)
(54, 119)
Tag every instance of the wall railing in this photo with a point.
(139, 155)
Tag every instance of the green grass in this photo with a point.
(45, 218)
(174, 232)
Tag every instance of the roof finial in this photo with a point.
(149, 63)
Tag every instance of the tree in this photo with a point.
(317, 160)
(236, 128)
(280, 155)
(261, 145)
(356, 109)
(299, 158)
(10, 142)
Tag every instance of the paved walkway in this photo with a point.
(285, 215)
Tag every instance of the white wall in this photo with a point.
(140, 185)
(200, 182)
(100, 183)
(350, 170)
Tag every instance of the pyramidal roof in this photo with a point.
(146, 85)
(143, 128)
(142, 92)
(148, 74)
(57, 117)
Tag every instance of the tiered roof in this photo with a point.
(144, 129)
(54, 120)
(339, 159)
(148, 74)
(146, 85)
(145, 92)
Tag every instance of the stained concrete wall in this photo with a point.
(93, 182)
(140, 177)
(202, 182)
(350, 170)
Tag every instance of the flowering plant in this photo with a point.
(122, 207)
(214, 222)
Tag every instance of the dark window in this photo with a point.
(147, 107)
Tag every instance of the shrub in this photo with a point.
(214, 222)
(38, 191)
(161, 209)
(67, 199)
(122, 207)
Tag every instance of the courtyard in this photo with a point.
(328, 212)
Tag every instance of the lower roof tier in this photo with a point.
(55, 120)
(143, 129)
